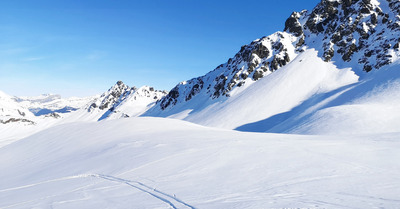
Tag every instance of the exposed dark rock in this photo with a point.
(292, 25)
(328, 54)
(396, 46)
(278, 46)
(13, 120)
(21, 113)
(300, 42)
(385, 18)
(365, 10)
(261, 51)
(374, 19)
(52, 115)
(219, 87)
(170, 98)
(195, 89)
(105, 105)
(368, 53)
(336, 37)
(257, 75)
(347, 3)
(350, 50)
(279, 62)
(93, 105)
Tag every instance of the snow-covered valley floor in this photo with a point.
(166, 163)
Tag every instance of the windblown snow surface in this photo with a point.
(167, 163)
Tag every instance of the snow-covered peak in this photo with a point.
(112, 96)
(135, 103)
(124, 101)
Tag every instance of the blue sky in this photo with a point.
(81, 48)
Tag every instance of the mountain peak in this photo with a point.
(124, 101)
(111, 96)
(119, 83)
(361, 35)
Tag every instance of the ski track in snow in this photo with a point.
(167, 198)
(171, 200)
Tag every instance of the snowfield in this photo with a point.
(167, 163)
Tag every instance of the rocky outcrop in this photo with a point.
(251, 63)
(356, 31)
(120, 95)
(293, 25)
(110, 97)
(16, 120)
(52, 115)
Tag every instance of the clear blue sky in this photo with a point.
(82, 47)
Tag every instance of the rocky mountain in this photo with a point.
(122, 101)
(357, 35)
(114, 95)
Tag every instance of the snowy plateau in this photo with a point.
(308, 117)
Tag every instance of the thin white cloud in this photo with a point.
(31, 59)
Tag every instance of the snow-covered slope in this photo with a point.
(279, 92)
(371, 106)
(164, 163)
(267, 84)
(17, 121)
